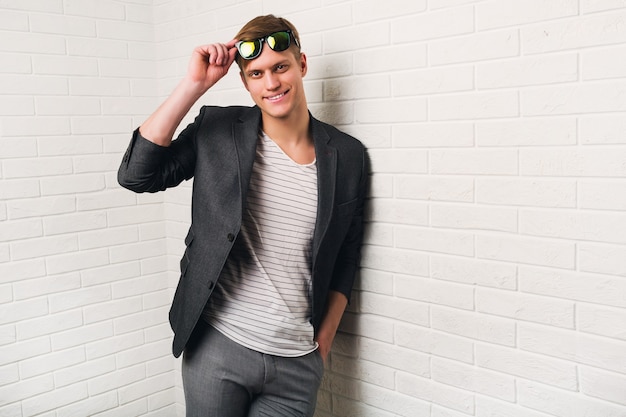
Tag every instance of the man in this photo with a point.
(274, 243)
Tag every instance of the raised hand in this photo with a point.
(209, 63)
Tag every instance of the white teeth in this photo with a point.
(276, 97)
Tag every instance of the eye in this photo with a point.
(254, 74)
(281, 68)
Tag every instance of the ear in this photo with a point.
(303, 65)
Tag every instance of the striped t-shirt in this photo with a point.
(263, 297)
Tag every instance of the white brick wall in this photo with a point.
(494, 272)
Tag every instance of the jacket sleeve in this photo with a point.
(349, 255)
(148, 167)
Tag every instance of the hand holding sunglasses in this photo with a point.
(209, 63)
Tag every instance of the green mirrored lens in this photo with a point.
(249, 49)
(279, 41)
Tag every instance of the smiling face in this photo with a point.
(274, 81)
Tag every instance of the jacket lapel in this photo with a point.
(326, 156)
(245, 136)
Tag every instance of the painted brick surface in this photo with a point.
(494, 273)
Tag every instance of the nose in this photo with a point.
(271, 81)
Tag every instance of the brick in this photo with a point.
(20, 311)
(399, 405)
(9, 375)
(528, 366)
(32, 288)
(525, 307)
(600, 320)
(590, 6)
(13, 189)
(399, 161)
(31, 85)
(364, 87)
(141, 320)
(604, 385)
(526, 192)
(67, 106)
(54, 400)
(83, 371)
(435, 292)
(64, 65)
(17, 271)
(473, 217)
(398, 211)
(573, 99)
(593, 288)
(593, 226)
(432, 25)
(364, 371)
(400, 261)
(436, 393)
(34, 43)
(81, 335)
(34, 248)
(496, 14)
(488, 407)
(527, 132)
(104, 346)
(525, 250)
(160, 365)
(574, 347)
(367, 325)
(367, 35)
(110, 273)
(25, 389)
(602, 194)
(13, 21)
(601, 129)
(394, 308)
(49, 324)
(399, 358)
(471, 106)
(563, 403)
(15, 64)
(368, 10)
(79, 298)
(137, 251)
(433, 81)
(433, 135)
(20, 230)
(474, 162)
(400, 110)
(603, 259)
(62, 25)
(17, 106)
(474, 272)
(601, 64)
(474, 379)
(141, 354)
(432, 240)
(35, 126)
(94, 8)
(91, 406)
(586, 31)
(49, 363)
(143, 388)
(481, 46)
(385, 59)
(473, 325)
(105, 199)
(435, 188)
(434, 343)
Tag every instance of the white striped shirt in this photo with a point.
(263, 297)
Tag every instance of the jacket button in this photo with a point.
(231, 237)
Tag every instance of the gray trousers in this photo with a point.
(224, 379)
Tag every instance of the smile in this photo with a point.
(276, 97)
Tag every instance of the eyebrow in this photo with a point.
(251, 67)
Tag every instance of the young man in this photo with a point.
(274, 243)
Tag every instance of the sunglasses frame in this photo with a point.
(265, 39)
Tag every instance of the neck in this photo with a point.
(291, 131)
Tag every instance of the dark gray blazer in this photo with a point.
(218, 150)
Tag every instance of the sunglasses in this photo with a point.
(277, 41)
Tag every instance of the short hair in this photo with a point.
(262, 26)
